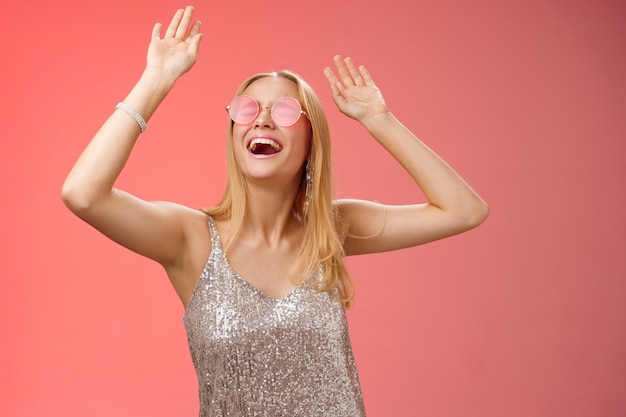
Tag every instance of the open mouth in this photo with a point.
(264, 146)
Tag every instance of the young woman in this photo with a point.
(261, 273)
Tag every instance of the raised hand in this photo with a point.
(354, 92)
(176, 52)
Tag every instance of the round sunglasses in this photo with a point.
(284, 112)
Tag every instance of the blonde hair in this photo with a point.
(321, 242)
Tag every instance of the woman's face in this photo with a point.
(264, 150)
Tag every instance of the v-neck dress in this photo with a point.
(260, 356)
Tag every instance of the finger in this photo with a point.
(335, 88)
(354, 72)
(195, 29)
(195, 44)
(330, 76)
(171, 29)
(156, 31)
(335, 85)
(344, 74)
(183, 27)
(366, 76)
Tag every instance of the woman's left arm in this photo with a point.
(452, 207)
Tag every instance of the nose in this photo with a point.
(264, 118)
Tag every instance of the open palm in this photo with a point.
(176, 52)
(354, 91)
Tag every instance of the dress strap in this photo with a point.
(216, 242)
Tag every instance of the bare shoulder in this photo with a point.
(359, 218)
(372, 227)
(190, 217)
(195, 252)
(192, 222)
(195, 225)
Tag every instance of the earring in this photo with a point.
(309, 183)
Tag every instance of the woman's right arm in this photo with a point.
(153, 229)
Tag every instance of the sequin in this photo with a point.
(260, 356)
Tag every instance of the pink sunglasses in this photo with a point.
(284, 112)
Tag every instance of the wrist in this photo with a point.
(378, 121)
(148, 93)
(157, 80)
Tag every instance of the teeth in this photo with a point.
(264, 141)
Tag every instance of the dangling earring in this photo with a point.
(309, 184)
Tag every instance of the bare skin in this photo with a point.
(178, 238)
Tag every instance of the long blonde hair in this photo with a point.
(321, 241)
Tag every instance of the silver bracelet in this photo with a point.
(134, 114)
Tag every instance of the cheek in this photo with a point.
(236, 144)
(238, 135)
(238, 131)
(301, 143)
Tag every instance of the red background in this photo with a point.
(524, 316)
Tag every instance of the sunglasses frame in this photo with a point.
(271, 108)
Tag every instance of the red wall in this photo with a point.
(524, 316)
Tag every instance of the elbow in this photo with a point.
(469, 215)
(71, 197)
(76, 197)
(477, 214)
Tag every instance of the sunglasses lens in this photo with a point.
(243, 109)
(286, 111)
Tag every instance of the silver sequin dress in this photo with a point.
(260, 356)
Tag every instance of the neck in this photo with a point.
(269, 214)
